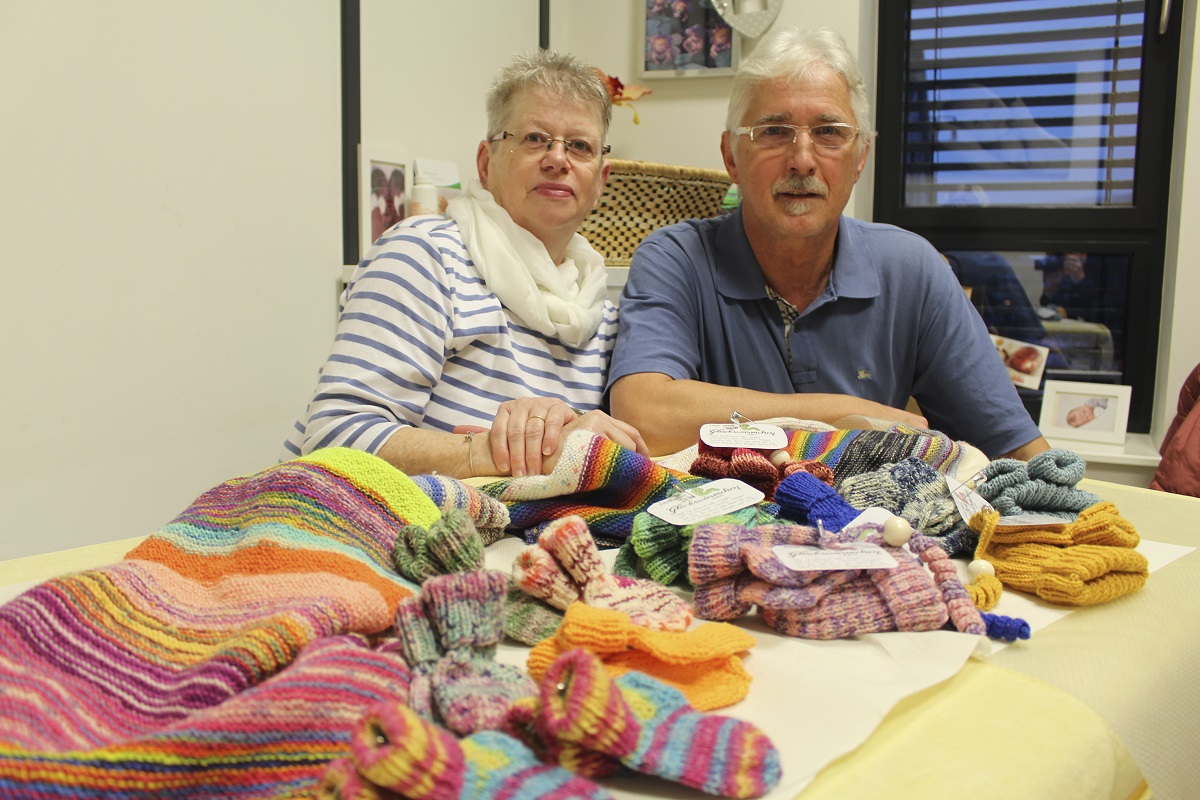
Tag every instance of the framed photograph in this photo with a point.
(1086, 412)
(685, 39)
(382, 187)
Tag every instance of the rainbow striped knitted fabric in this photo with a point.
(596, 479)
(225, 656)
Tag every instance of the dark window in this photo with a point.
(1030, 142)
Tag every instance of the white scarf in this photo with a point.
(564, 300)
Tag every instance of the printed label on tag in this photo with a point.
(1031, 519)
(853, 555)
(722, 496)
(966, 499)
(751, 434)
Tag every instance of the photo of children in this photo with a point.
(686, 37)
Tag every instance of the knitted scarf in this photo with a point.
(595, 478)
(227, 655)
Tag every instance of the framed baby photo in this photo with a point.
(685, 39)
(382, 186)
(1085, 412)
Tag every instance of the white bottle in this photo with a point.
(424, 198)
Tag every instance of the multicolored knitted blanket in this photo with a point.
(228, 655)
(595, 478)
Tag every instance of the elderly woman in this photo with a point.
(472, 345)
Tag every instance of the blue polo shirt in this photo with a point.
(892, 323)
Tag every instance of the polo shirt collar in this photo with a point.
(738, 276)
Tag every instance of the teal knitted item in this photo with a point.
(1046, 485)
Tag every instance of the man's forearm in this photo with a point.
(669, 412)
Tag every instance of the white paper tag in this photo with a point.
(722, 496)
(1032, 519)
(874, 515)
(751, 434)
(852, 555)
(968, 501)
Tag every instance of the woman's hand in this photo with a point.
(601, 424)
(526, 433)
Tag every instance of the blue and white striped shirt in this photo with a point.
(422, 341)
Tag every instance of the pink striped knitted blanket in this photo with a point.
(228, 655)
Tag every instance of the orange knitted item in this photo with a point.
(704, 663)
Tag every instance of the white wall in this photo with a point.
(170, 230)
(426, 67)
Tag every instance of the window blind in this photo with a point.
(1019, 103)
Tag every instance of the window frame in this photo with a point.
(1139, 229)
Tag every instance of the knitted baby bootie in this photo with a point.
(652, 729)
(452, 544)
(471, 690)
(396, 750)
(571, 546)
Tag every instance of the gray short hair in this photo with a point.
(561, 73)
(792, 55)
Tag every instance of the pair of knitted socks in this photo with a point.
(564, 567)
(705, 662)
(736, 569)
(594, 724)
(762, 469)
(449, 634)
(395, 753)
(1091, 560)
(580, 724)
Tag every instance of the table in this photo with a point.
(1099, 704)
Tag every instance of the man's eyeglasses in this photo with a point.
(581, 150)
(830, 135)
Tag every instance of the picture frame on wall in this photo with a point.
(1085, 412)
(685, 39)
(383, 185)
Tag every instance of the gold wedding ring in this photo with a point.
(537, 416)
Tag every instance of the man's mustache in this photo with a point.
(804, 184)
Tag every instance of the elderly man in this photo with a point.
(789, 308)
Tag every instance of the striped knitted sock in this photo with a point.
(523, 724)
(395, 749)
(471, 690)
(652, 729)
(647, 604)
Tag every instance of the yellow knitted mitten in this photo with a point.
(1073, 573)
